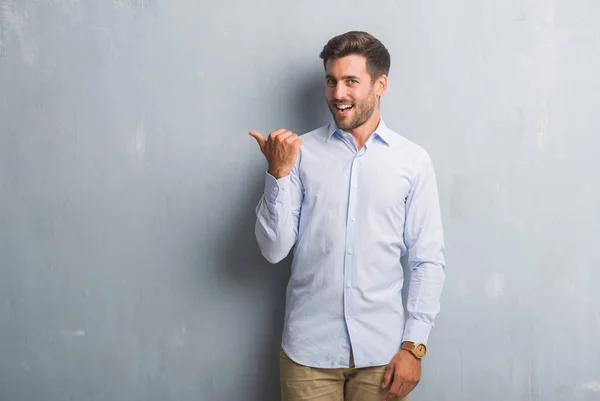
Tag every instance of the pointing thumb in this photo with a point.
(259, 138)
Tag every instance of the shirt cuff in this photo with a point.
(416, 331)
(275, 189)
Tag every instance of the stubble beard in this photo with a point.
(362, 112)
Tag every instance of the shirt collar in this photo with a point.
(382, 132)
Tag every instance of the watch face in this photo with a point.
(420, 349)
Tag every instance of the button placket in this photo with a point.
(350, 235)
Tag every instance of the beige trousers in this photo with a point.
(303, 383)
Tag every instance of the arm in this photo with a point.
(424, 239)
(278, 213)
(278, 210)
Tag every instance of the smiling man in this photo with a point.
(352, 198)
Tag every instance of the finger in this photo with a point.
(259, 138)
(284, 135)
(398, 381)
(292, 138)
(405, 389)
(389, 395)
(297, 143)
(276, 133)
(387, 376)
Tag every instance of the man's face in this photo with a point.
(351, 95)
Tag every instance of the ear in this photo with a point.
(381, 85)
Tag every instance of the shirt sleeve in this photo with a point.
(278, 213)
(424, 240)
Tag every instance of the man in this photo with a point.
(351, 198)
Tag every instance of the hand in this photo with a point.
(402, 375)
(281, 150)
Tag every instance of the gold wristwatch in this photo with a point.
(417, 349)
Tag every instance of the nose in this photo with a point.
(340, 90)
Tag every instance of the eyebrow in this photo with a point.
(344, 77)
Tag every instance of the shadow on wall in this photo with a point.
(309, 110)
(245, 266)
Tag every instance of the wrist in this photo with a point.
(409, 354)
(278, 173)
(417, 350)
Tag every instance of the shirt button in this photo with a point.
(353, 219)
(347, 317)
(355, 185)
(348, 285)
(350, 252)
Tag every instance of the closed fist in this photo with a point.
(280, 149)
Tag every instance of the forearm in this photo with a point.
(425, 243)
(423, 304)
(277, 217)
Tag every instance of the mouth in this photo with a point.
(343, 109)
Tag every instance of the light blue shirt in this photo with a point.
(350, 215)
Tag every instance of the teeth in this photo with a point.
(344, 107)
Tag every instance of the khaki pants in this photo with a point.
(302, 383)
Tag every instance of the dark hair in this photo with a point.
(362, 43)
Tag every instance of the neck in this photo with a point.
(362, 133)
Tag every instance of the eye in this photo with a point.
(330, 82)
(352, 81)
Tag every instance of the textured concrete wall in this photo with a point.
(128, 265)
